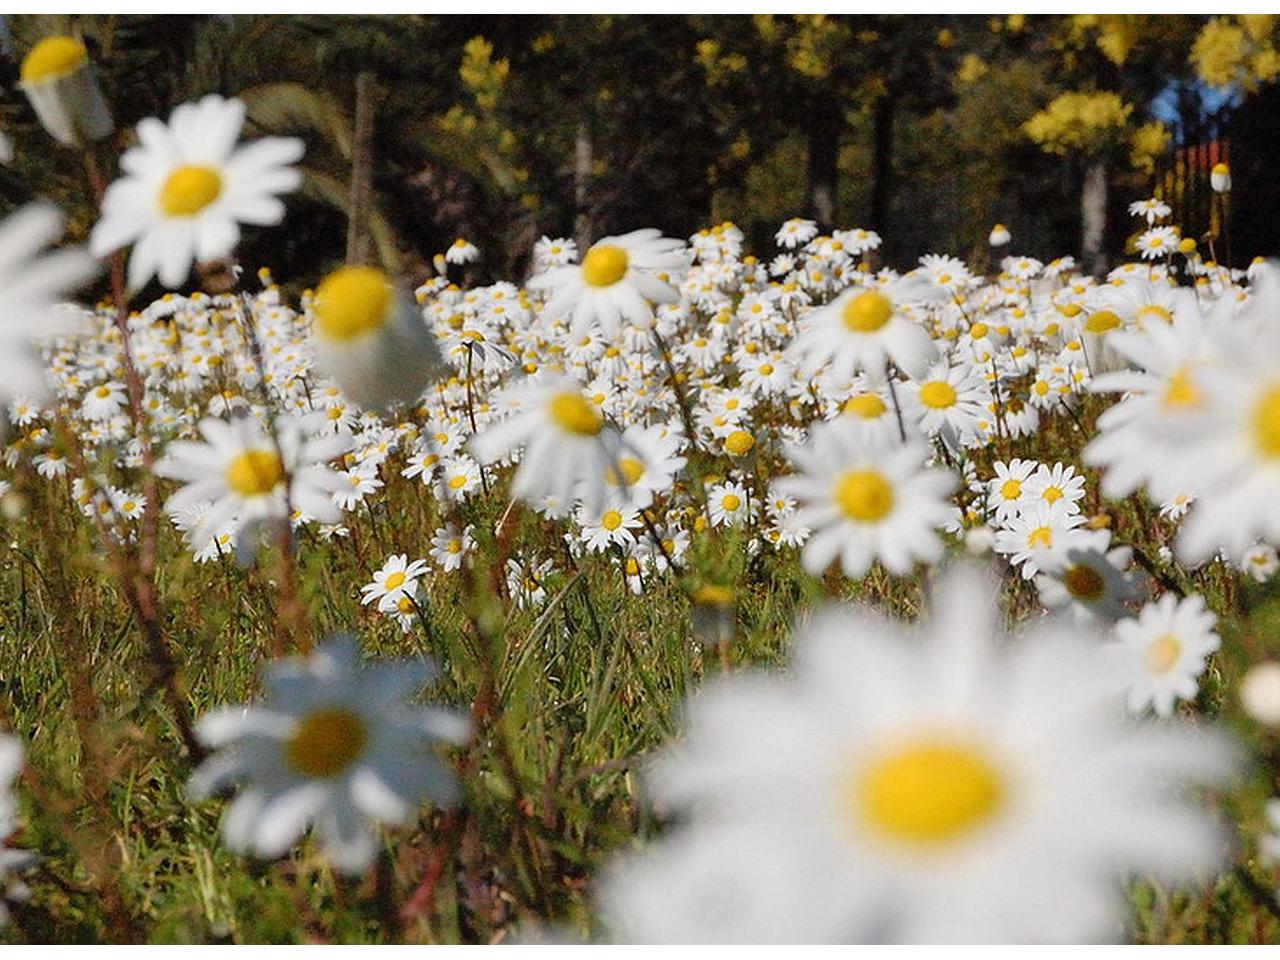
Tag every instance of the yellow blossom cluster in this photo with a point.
(1237, 50)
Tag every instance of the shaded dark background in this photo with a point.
(504, 128)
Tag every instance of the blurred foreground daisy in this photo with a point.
(187, 188)
(568, 452)
(950, 787)
(620, 278)
(241, 472)
(32, 285)
(334, 744)
(371, 339)
(12, 861)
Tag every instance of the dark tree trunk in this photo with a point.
(882, 164)
(826, 124)
(582, 162)
(361, 172)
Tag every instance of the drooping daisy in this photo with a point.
(1092, 581)
(796, 232)
(620, 278)
(1164, 650)
(954, 788)
(866, 501)
(187, 188)
(335, 744)
(462, 251)
(241, 472)
(372, 340)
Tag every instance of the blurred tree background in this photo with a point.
(499, 129)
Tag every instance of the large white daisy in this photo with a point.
(187, 188)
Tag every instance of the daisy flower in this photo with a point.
(796, 232)
(33, 284)
(1164, 650)
(241, 473)
(397, 578)
(355, 484)
(727, 503)
(863, 329)
(1092, 580)
(866, 501)
(371, 339)
(187, 188)
(948, 401)
(1057, 483)
(620, 278)
(567, 449)
(328, 747)
(462, 251)
(934, 784)
(1040, 537)
(449, 546)
(1150, 210)
(1006, 491)
(602, 529)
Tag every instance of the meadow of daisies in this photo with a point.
(672, 592)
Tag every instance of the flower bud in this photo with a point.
(1260, 693)
(59, 81)
(999, 236)
(1220, 178)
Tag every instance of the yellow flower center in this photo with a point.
(189, 189)
(926, 793)
(611, 520)
(978, 331)
(867, 406)
(604, 265)
(352, 302)
(53, 57)
(1266, 422)
(731, 502)
(326, 743)
(394, 580)
(454, 546)
(405, 604)
(1101, 322)
(937, 395)
(458, 481)
(1083, 582)
(1011, 489)
(1154, 310)
(1163, 653)
(255, 472)
(864, 495)
(739, 442)
(1040, 537)
(572, 412)
(867, 312)
(1181, 391)
(102, 393)
(1051, 494)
